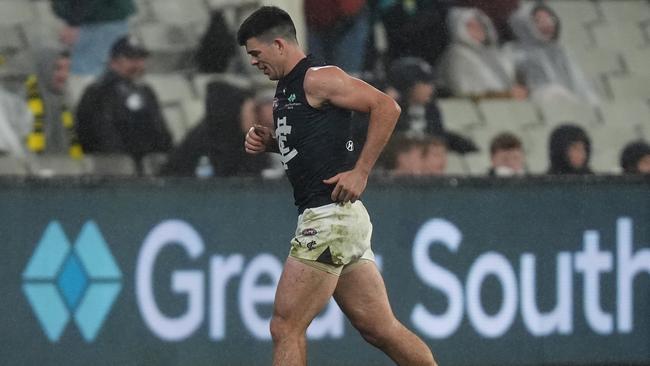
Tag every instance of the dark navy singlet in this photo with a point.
(315, 144)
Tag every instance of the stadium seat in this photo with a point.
(576, 35)
(508, 114)
(12, 166)
(477, 163)
(54, 165)
(151, 163)
(598, 61)
(455, 164)
(637, 61)
(176, 121)
(180, 12)
(194, 110)
(607, 142)
(535, 141)
(10, 40)
(43, 12)
(171, 46)
(631, 87)
(77, 84)
(110, 165)
(575, 11)
(558, 111)
(619, 36)
(626, 112)
(13, 12)
(459, 114)
(624, 11)
(201, 81)
(170, 88)
(645, 130)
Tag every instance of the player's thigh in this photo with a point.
(361, 294)
(302, 292)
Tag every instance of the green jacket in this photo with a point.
(78, 12)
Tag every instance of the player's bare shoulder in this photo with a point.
(322, 83)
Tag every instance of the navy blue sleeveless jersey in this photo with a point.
(315, 144)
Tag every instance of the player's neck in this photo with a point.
(294, 55)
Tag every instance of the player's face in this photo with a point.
(264, 56)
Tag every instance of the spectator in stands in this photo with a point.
(415, 28)
(91, 27)
(403, 156)
(15, 124)
(635, 158)
(411, 83)
(230, 113)
(434, 156)
(46, 92)
(499, 11)
(337, 31)
(547, 68)
(474, 65)
(217, 47)
(507, 156)
(119, 114)
(570, 150)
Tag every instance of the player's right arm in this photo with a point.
(259, 139)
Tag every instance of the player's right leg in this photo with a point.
(301, 294)
(361, 294)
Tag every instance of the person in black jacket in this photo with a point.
(120, 115)
(218, 138)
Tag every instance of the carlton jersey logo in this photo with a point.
(63, 281)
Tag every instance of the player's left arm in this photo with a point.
(330, 85)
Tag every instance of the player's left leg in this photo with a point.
(302, 292)
(361, 294)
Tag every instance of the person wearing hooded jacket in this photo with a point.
(635, 158)
(48, 101)
(546, 67)
(219, 137)
(569, 151)
(473, 65)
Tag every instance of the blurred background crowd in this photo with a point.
(487, 87)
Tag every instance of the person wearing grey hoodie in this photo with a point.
(473, 65)
(52, 72)
(546, 66)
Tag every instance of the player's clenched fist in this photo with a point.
(257, 139)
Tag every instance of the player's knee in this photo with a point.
(281, 328)
(374, 332)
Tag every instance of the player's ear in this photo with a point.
(280, 44)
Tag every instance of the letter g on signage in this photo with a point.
(189, 282)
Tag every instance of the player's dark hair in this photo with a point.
(267, 23)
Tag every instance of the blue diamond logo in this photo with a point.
(80, 281)
(72, 281)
